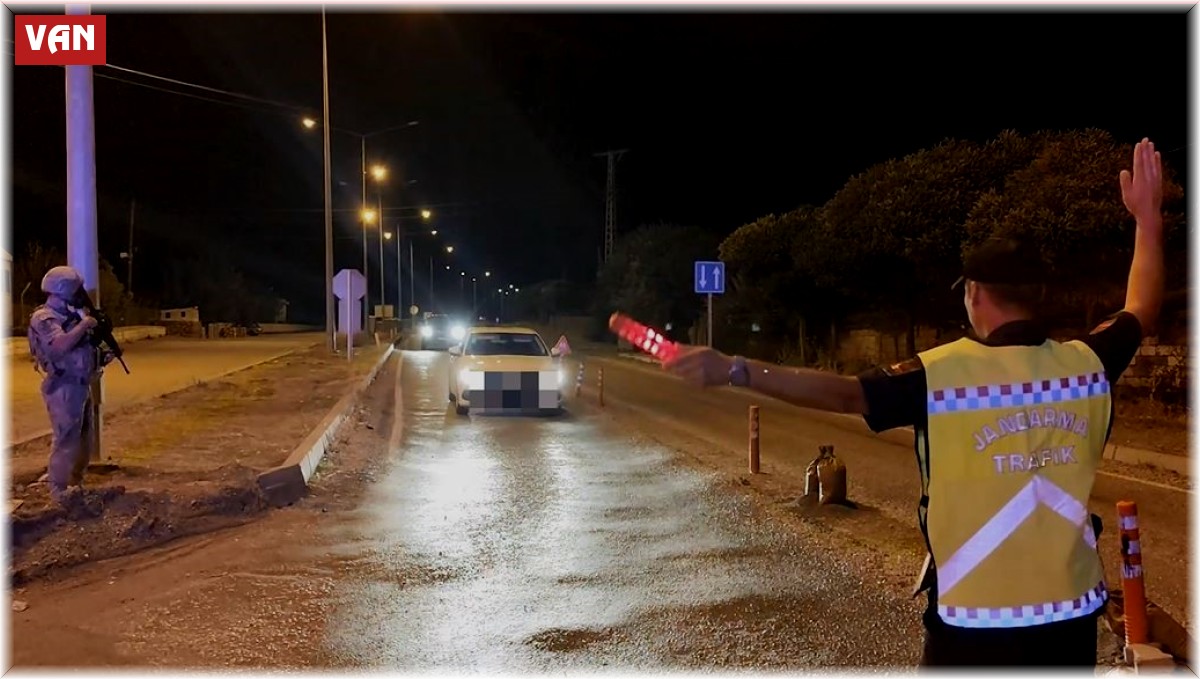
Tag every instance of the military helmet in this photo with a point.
(63, 281)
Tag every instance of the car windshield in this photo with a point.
(505, 344)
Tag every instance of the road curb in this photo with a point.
(125, 335)
(47, 432)
(287, 483)
(1180, 464)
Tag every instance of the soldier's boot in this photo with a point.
(67, 497)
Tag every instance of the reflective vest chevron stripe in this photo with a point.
(1014, 438)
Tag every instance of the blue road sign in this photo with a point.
(710, 278)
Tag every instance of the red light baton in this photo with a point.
(643, 337)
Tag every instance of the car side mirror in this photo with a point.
(555, 352)
(456, 351)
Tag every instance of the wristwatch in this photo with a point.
(739, 373)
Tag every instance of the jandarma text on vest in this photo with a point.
(1032, 418)
(1008, 464)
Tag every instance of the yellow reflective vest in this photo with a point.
(1014, 437)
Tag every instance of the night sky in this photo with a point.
(727, 118)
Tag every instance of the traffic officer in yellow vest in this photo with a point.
(1011, 427)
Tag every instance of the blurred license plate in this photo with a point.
(509, 392)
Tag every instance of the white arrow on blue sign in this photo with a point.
(710, 278)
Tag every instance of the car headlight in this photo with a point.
(458, 332)
(470, 380)
(426, 331)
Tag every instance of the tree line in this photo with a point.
(883, 251)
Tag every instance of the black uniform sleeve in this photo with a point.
(1115, 341)
(896, 396)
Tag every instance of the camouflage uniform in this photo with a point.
(66, 387)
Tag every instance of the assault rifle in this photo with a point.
(102, 334)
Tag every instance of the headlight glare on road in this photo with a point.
(458, 332)
(426, 331)
(562, 378)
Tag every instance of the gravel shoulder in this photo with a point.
(186, 463)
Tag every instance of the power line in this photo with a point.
(206, 88)
(185, 94)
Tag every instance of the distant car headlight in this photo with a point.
(426, 331)
(458, 332)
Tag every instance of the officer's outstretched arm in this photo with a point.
(1142, 194)
(808, 388)
(704, 367)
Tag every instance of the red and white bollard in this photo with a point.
(1144, 657)
(1132, 582)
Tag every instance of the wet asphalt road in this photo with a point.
(518, 544)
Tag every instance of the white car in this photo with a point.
(505, 370)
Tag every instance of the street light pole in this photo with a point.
(412, 274)
(129, 269)
(330, 320)
(399, 278)
(363, 212)
(382, 267)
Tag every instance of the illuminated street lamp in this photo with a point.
(487, 273)
(433, 233)
(450, 249)
(310, 123)
(368, 216)
(426, 214)
(379, 172)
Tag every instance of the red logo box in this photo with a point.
(60, 40)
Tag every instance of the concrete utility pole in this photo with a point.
(610, 200)
(83, 252)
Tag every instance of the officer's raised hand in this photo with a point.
(1142, 190)
(700, 366)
